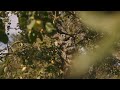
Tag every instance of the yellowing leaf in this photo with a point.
(52, 62)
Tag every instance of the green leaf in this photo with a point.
(30, 26)
(49, 27)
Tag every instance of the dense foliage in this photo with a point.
(48, 43)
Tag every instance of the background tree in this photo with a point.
(51, 41)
